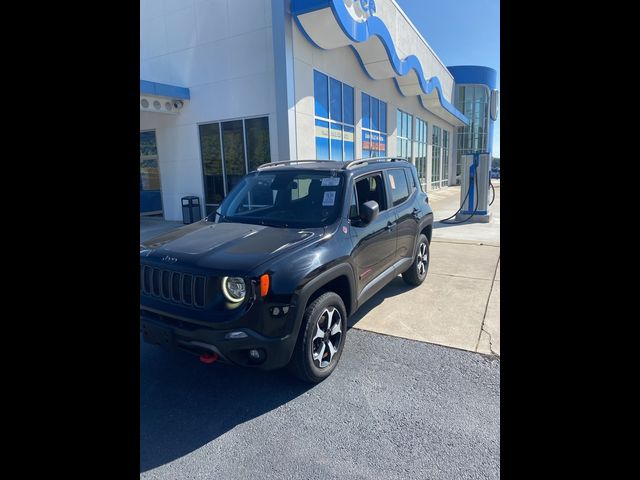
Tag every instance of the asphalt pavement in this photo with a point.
(393, 409)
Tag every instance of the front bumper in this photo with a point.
(198, 339)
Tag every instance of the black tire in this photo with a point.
(316, 315)
(416, 274)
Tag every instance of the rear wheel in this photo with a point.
(321, 339)
(417, 272)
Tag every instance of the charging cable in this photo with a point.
(493, 192)
(465, 199)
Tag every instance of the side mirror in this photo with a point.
(369, 211)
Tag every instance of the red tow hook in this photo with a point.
(209, 357)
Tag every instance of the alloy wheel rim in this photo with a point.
(327, 338)
(422, 260)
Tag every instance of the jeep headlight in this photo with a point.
(234, 289)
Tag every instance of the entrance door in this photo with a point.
(150, 191)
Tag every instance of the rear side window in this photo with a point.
(410, 180)
(398, 184)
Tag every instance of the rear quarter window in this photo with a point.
(398, 185)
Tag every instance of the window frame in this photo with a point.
(421, 143)
(331, 121)
(370, 128)
(384, 186)
(405, 138)
(225, 189)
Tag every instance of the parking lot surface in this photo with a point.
(401, 404)
(393, 409)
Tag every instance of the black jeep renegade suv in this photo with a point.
(269, 279)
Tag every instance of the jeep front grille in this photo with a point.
(173, 286)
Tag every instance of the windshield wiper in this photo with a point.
(269, 224)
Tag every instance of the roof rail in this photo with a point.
(366, 161)
(288, 162)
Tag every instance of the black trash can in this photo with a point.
(191, 210)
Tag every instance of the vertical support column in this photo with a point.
(392, 129)
(357, 112)
(412, 143)
(284, 79)
(429, 154)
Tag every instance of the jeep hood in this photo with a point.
(225, 246)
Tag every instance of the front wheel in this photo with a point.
(321, 339)
(417, 272)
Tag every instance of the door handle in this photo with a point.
(390, 225)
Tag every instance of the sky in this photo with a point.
(461, 32)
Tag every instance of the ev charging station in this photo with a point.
(474, 188)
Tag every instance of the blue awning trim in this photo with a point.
(362, 31)
(164, 90)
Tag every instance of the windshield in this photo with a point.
(294, 198)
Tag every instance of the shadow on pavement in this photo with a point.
(185, 404)
(397, 286)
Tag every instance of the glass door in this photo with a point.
(150, 190)
(229, 151)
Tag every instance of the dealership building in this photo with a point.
(226, 85)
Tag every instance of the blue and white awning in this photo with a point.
(330, 24)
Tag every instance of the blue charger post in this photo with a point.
(478, 198)
(472, 185)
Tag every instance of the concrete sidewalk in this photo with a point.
(458, 305)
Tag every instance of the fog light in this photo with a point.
(279, 311)
(254, 354)
(235, 335)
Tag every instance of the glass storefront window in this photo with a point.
(149, 171)
(150, 189)
(212, 163)
(321, 94)
(322, 140)
(404, 138)
(445, 158)
(225, 160)
(258, 146)
(233, 153)
(436, 157)
(420, 149)
(334, 125)
(347, 99)
(366, 115)
(374, 127)
(473, 102)
(335, 89)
